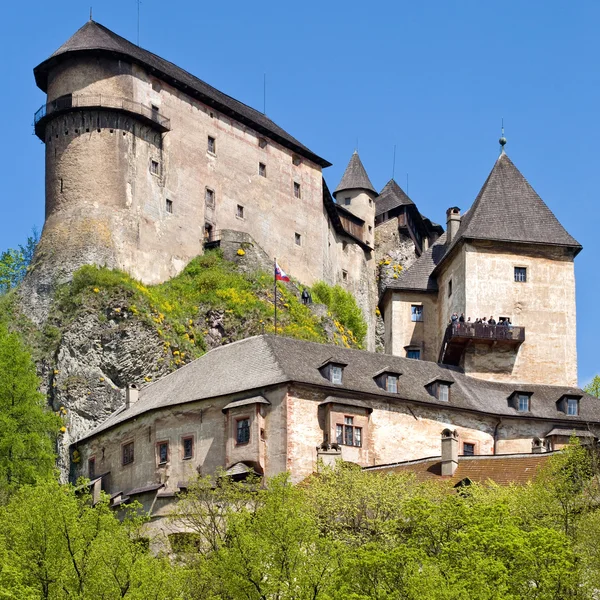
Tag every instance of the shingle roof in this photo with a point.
(262, 361)
(501, 469)
(507, 208)
(355, 177)
(96, 38)
(418, 276)
(391, 196)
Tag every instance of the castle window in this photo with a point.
(242, 435)
(162, 451)
(154, 112)
(92, 467)
(413, 353)
(296, 160)
(344, 275)
(212, 145)
(209, 197)
(298, 239)
(370, 202)
(440, 389)
(347, 201)
(262, 143)
(239, 211)
(348, 434)
(450, 288)
(520, 274)
(297, 191)
(262, 169)
(370, 229)
(169, 206)
(573, 406)
(523, 402)
(332, 371)
(154, 167)
(345, 246)
(127, 453)
(188, 447)
(468, 449)
(391, 383)
(416, 312)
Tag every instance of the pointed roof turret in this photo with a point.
(355, 177)
(508, 209)
(391, 196)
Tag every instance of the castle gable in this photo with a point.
(392, 196)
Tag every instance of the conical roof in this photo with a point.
(508, 209)
(94, 38)
(355, 177)
(391, 196)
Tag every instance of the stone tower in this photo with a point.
(356, 194)
(145, 161)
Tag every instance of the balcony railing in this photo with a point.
(91, 101)
(484, 332)
(459, 335)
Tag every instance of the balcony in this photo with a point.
(459, 335)
(69, 103)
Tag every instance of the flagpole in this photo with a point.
(275, 290)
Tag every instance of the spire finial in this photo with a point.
(502, 140)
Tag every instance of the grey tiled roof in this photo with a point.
(355, 177)
(264, 361)
(96, 38)
(508, 209)
(391, 196)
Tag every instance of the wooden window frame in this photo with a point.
(470, 443)
(158, 446)
(123, 446)
(183, 440)
(348, 427)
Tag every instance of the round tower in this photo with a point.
(356, 194)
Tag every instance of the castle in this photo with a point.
(146, 165)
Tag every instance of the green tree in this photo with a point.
(14, 263)
(27, 429)
(56, 545)
(593, 387)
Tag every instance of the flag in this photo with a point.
(280, 274)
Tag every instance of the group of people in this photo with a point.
(455, 318)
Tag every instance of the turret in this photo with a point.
(356, 194)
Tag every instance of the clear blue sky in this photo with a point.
(433, 77)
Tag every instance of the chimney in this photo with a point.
(131, 395)
(449, 452)
(537, 447)
(452, 223)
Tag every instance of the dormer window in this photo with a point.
(520, 401)
(388, 381)
(440, 389)
(569, 405)
(336, 374)
(333, 371)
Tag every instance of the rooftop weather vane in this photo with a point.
(502, 139)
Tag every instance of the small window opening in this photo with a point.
(468, 449)
(169, 206)
(92, 467)
(450, 288)
(154, 166)
(347, 201)
(212, 145)
(344, 275)
(572, 406)
(188, 448)
(209, 197)
(262, 143)
(521, 274)
(298, 239)
(297, 190)
(61, 185)
(240, 211)
(413, 353)
(243, 431)
(523, 402)
(416, 313)
(336, 374)
(296, 160)
(127, 453)
(262, 169)
(391, 383)
(163, 453)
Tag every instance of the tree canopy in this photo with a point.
(15, 261)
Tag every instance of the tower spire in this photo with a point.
(502, 140)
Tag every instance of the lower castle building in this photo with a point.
(271, 404)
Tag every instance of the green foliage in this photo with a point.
(593, 387)
(27, 429)
(342, 305)
(55, 545)
(14, 263)
(177, 309)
